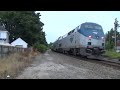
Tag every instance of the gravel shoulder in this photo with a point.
(52, 65)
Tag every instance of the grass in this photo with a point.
(15, 63)
(112, 54)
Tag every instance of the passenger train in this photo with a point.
(86, 40)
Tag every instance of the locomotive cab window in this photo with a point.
(89, 43)
(98, 27)
(88, 26)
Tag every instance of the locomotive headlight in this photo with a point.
(90, 36)
(102, 37)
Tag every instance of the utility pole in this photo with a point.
(108, 39)
(116, 25)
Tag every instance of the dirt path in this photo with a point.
(52, 65)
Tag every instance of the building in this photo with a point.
(19, 43)
(4, 35)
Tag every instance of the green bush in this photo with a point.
(112, 54)
(40, 47)
(109, 46)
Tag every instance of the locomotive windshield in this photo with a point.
(93, 27)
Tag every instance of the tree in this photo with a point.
(24, 24)
(50, 45)
(110, 39)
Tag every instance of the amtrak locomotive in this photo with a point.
(86, 40)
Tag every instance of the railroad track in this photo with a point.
(102, 60)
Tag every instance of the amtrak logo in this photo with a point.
(71, 39)
(95, 32)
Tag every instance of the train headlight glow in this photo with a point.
(102, 37)
(90, 36)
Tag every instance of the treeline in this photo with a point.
(110, 39)
(24, 24)
(50, 45)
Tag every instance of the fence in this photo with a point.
(6, 50)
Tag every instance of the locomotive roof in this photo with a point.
(91, 23)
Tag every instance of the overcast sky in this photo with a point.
(58, 23)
